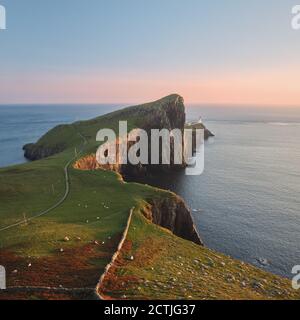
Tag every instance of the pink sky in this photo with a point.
(219, 52)
(268, 87)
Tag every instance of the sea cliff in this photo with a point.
(171, 212)
(167, 113)
(56, 217)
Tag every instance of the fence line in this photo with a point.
(114, 257)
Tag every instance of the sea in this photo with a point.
(246, 204)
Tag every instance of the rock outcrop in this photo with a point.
(168, 113)
(53, 142)
(172, 213)
(207, 133)
(36, 152)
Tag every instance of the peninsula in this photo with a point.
(70, 229)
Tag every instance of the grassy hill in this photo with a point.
(70, 245)
(154, 264)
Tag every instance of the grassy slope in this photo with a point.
(99, 197)
(35, 186)
(28, 189)
(166, 267)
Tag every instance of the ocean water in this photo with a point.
(246, 204)
(22, 124)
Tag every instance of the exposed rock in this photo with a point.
(43, 148)
(264, 262)
(208, 134)
(36, 152)
(167, 113)
(172, 213)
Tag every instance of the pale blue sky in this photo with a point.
(147, 39)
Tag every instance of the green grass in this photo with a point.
(103, 200)
(166, 267)
(30, 188)
(98, 197)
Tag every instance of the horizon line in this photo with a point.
(207, 104)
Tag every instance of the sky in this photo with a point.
(127, 51)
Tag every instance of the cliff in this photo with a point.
(167, 113)
(172, 213)
(169, 212)
(36, 152)
(207, 133)
(154, 264)
(53, 142)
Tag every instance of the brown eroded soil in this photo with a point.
(79, 268)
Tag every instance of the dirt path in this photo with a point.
(96, 292)
(67, 191)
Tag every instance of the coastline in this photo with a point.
(144, 236)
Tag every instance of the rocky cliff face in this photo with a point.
(207, 133)
(167, 113)
(172, 213)
(36, 152)
(53, 142)
(169, 212)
